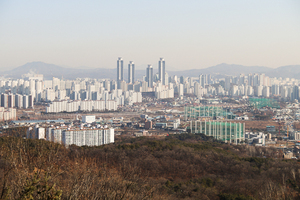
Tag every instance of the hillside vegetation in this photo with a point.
(175, 167)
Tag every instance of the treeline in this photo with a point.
(15, 131)
(179, 166)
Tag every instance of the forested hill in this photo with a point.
(175, 167)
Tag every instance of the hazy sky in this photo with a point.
(188, 34)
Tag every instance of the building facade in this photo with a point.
(150, 76)
(87, 137)
(131, 72)
(161, 71)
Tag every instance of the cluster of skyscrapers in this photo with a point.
(158, 83)
(253, 85)
(104, 94)
(120, 68)
(149, 73)
(68, 95)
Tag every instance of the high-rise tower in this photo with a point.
(120, 69)
(161, 71)
(131, 72)
(150, 76)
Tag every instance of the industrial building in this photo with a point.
(228, 132)
(258, 138)
(88, 118)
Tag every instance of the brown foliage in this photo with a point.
(144, 168)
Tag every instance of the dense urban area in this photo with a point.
(160, 137)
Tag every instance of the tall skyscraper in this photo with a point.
(119, 72)
(182, 79)
(120, 69)
(161, 71)
(150, 76)
(131, 72)
(203, 80)
(227, 83)
(295, 93)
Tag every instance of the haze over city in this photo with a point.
(192, 35)
(150, 100)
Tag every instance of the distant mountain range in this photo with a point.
(50, 70)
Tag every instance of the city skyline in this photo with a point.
(141, 99)
(96, 94)
(196, 35)
(50, 70)
(162, 75)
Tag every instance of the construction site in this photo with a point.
(258, 103)
(228, 132)
(214, 112)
